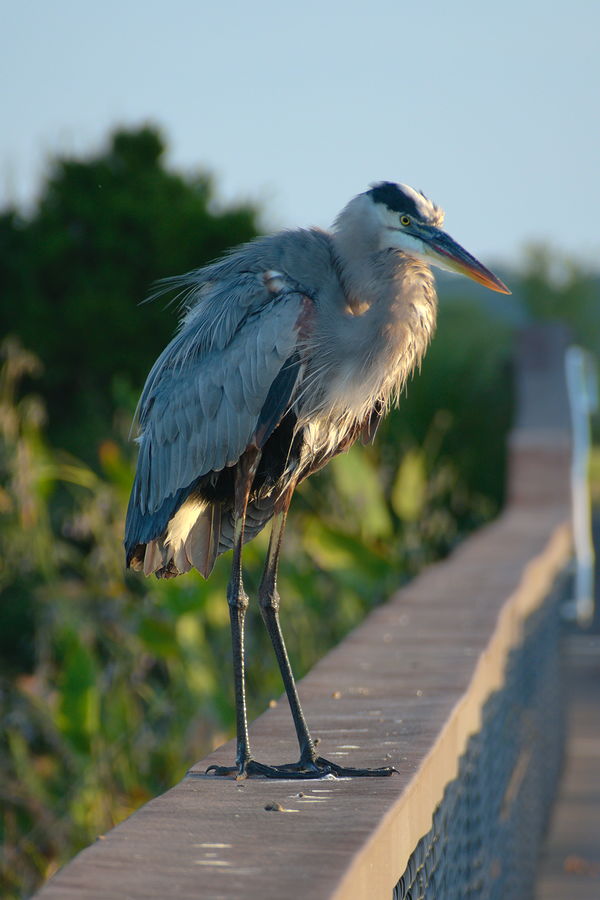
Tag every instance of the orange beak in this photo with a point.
(445, 252)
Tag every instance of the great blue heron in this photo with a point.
(289, 349)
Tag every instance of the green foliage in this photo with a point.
(460, 406)
(96, 712)
(74, 272)
(557, 288)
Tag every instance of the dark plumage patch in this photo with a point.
(281, 451)
(277, 400)
(372, 423)
(392, 196)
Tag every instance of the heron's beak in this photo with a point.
(446, 253)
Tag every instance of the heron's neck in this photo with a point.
(390, 308)
(381, 287)
(357, 255)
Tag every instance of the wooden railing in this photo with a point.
(418, 685)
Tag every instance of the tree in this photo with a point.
(75, 270)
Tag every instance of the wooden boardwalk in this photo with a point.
(570, 865)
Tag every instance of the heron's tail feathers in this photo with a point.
(196, 535)
(190, 540)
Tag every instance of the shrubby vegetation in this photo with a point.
(110, 684)
(74, 272)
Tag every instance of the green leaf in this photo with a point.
(410, 487)
(79, 707)
(360, 484)
(158, 634)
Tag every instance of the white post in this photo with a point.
(583, 400)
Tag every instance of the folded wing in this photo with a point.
(222, 384)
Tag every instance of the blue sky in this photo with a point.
(492, 110)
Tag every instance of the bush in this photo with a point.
(77, 268)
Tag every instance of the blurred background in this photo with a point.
(142, 140)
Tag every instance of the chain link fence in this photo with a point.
(488, 830)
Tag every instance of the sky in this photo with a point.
(493, 110)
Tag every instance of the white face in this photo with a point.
(400, 229)
(397, 232)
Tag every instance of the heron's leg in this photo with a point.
(309, 765)
(269, 606)
(238, 604)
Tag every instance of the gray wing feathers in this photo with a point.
(234, 391)
(199, 409)
(306, 257)
(210, 398)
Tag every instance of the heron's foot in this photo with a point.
(244, 770)
(326, 767)
(319, 767)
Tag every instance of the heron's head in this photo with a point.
(411, 223)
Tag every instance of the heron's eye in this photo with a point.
(404, 220)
